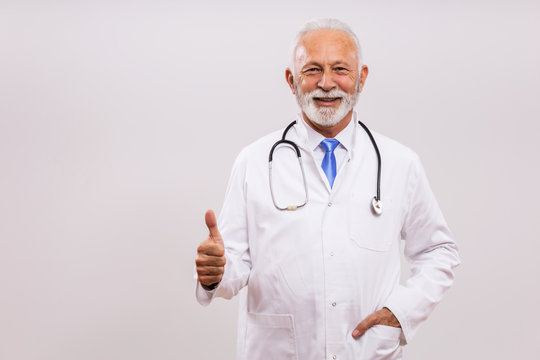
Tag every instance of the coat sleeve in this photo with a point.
(232, 224)
(431, 251)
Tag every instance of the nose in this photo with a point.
(326, 82)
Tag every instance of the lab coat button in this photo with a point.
(334, 304)
(332, 253)
(329, 204)
(334, 357)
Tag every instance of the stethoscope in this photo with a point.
(376, 203)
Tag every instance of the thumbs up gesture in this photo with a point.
(211, 254)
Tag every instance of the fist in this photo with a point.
(211, 254)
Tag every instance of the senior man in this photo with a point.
(323, 277)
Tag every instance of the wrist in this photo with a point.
(210, 287)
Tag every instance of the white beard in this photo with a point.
(325, 116)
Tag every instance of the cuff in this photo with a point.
(396, 303)
(204, 297)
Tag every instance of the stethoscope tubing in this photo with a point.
(378, 197)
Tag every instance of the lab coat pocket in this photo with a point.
(368, 230)
(386, 342)
(386, 332)
(270, 336)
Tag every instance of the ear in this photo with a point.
(363, 77)
(290, 79)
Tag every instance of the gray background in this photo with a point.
(120, 120)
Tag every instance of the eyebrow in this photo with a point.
(312, 63)
(338, 62)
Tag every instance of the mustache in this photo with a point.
(320, 93)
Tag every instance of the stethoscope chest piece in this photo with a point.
(377, 206)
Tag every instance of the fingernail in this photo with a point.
(355, 333)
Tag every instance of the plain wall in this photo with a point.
(120, 120)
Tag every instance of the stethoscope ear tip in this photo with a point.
(377, 206)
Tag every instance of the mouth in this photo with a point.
(327, 101)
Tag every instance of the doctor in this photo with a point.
(323, 280)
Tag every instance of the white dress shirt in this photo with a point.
(344, 137)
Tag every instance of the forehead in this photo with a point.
(326, 45)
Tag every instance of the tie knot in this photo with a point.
(329, 144)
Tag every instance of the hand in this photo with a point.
(211, 254)
(380, 317)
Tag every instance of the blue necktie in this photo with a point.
(329, 162)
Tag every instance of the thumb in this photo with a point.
(211, 223)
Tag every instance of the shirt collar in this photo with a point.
(313, 138)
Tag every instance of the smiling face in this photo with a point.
(326, 79)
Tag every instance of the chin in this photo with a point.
(326, 117)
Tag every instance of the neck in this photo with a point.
(329, 131)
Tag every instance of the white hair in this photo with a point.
(319, 24)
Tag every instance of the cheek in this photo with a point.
(308, 84)
(348, 85)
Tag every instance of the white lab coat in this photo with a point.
(315, 273)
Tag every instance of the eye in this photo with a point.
(341, 70)
(311, 70)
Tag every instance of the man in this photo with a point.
(323, 280)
